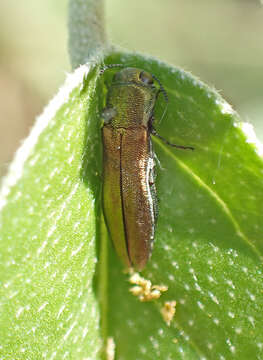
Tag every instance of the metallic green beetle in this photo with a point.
(129, 194)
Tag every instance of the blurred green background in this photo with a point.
(220, 41)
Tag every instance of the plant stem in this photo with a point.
(86, 30)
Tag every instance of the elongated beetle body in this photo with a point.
(129, 194)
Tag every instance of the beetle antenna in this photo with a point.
(110, 66)
(162, 90)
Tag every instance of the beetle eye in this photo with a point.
(146, 78)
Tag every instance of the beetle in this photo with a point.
(129, 193)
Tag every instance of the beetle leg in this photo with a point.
(155, 133)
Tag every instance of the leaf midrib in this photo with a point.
(219, 201)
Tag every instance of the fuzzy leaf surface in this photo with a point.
(208, 244)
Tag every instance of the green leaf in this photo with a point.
(57, 301)
(48, 232)
(208, 245)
